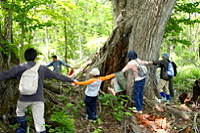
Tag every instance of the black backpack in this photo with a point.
(175, 68)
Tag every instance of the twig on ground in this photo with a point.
(99, 108)
(173, 121)
(125, 126)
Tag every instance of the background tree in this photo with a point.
(182, 32)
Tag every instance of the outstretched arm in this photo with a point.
(65, 64)
(58, 76)
(107, 77)
(86, 82)
(94, 80)
(8, 74)
(50, 64)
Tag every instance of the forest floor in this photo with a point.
(150, 121)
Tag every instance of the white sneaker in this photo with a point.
(163, 99)
(139, 112)
(134, 110)
(168, 101)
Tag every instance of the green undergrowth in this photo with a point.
(184, 80)
(74, 107)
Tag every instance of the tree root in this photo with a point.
(195, 127)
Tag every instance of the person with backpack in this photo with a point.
(163, 84)
(31, 74)
(171, 81)
(139, 83)
(57, 64)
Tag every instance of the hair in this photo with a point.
(54, 56)
(132, 55)
(96, 76)
(30, 54)
(184, 96)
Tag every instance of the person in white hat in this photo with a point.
(92, 91)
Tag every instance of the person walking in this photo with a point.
(35, 101)
(139, 83)
(57, 64)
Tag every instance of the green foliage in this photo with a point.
(185, 42)
(187, 7)
(88, 25)
(185, 14)
(118, 103)
(7, 47)
(186, 77)
(65, 121)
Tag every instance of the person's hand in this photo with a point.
(150, 62)
(73, 84)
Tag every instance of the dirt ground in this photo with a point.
(150, 121)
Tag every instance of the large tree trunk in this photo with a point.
(8, 89)
(139, 26)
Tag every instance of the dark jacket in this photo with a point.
(43, 72)
(163, 64)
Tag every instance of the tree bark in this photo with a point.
(139, 26)
(8, 91)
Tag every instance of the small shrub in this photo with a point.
(66, 123)
(118, 102)
(186, 77)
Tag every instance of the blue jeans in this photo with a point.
(91, 105)
(138, 92)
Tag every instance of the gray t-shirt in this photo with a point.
(43, 72)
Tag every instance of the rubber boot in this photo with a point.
(21, 120)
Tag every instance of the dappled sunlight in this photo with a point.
(159, 108)
(185, 107)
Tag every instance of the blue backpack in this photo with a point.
(170, 69)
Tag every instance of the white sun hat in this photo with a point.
(95, 71)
